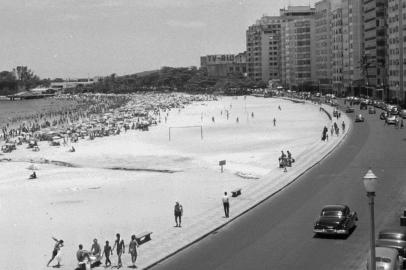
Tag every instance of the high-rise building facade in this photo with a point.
(337, 52)
(396, 20)
(353, 49)
(322, 41)
(375, 51)
(297, 48)
(263, 49)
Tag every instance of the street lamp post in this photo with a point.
(370, 182)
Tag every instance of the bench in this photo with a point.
(143, 237)
(236, 192)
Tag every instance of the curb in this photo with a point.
(257, 203)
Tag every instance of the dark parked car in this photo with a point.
(335, 219)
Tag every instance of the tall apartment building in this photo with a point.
(297, 48)
(396, 19)
(263, 49)
(337, 52)
(353, 49)
(374, 57)
(322, 40)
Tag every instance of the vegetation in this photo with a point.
(19, 79)
(188, 79)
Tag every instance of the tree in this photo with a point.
(8, 83)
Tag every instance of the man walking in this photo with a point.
(119, 243)
(226, 205)
(178, 212)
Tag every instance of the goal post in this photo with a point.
(201, 130)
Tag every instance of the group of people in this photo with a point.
(285, 160)
(71, 117)
(70, 109)
(88, 259)
(334, 129)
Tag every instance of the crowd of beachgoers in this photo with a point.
(91, 116)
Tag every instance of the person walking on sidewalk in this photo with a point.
(107, 252)
(226, 204)
(178, 212)
(119, 243)
(132, 250)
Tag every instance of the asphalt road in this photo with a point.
(278, 233)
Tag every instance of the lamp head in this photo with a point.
(370, 181)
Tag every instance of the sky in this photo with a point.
(87, 38)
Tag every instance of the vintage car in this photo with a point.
(391, 120)
(371, 110)
(335, 219)
(395, 110)
(349, 110)
(383, 115)
(403, 113)
(386, 259)
(363, 105)
(393, 238)
(359, 118)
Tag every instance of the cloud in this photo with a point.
(186, 24)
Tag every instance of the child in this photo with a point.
(107, 252)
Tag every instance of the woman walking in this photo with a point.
(132, 249)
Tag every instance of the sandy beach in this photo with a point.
(129, 183)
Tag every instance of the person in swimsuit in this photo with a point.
(96, 250)
(119, 243)
(57, 247)
(132, 249)
(107, 253)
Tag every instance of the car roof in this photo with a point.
(386, 251)
(334, 207)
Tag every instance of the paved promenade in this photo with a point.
(175, 239)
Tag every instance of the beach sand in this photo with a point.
(129, 183)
